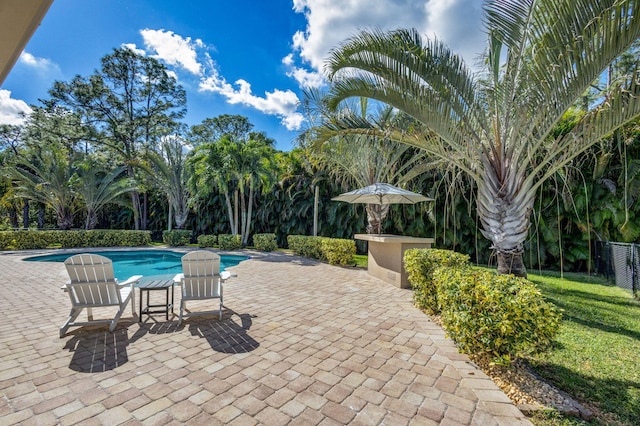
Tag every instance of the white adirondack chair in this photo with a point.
(93, 285)
(200, 280)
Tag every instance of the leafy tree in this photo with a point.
(132, 102)
(541, 57)
(11, 142)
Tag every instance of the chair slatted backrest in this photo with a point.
(92, 281)
(201, 271)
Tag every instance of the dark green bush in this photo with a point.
(176, 237)
(265, 242)
(338, 251)
(229, 242)
(207, 240)
(498, 316)
(420, 265)
(305, 245)
(32, 239)
(25, 240)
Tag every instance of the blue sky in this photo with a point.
(246, 57)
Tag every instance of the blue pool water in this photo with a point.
(142, 262)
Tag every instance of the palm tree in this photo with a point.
(541, 57)
(46, 178)
(168, 170)
(256, 170)
(362, 160)
(209, 169)
(98, 187)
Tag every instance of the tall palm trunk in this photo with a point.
(235, 212)
(25, 214)
(230, 212)
(135, 200)
(13, 217)
(505, 202)
(376, 214)
(247, 225)
(243, 214)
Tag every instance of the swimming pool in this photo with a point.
(142, 262)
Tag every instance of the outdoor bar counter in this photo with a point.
(385, 256)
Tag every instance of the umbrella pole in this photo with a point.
(380, 216)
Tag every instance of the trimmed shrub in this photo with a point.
(33, 239)
(420, 265)
(25, 239)
(229, 242)
(207, 241)
(135, 238)
(265, 242)
(305, 245)
(498, 316)
(176, 237)
(338, 251)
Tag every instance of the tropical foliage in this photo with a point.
(196, 174)
(541, 57)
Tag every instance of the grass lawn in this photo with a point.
(596, 354)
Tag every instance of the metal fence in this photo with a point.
(620, 262)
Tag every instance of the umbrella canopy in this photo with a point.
(381, 193)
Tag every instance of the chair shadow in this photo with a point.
(226, 336)
(98, 350)
(95, 349)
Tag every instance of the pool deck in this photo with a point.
(301, 342)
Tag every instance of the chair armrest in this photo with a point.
(225, 275)
(131, 280)
(178, 278)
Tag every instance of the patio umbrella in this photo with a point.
(381, 194)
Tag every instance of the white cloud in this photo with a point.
(330, 22)
(174, 49)
(134, 49)
(191, 55)
(305, 78)
(12, 111)
(31, 61)
(280, 103)
(41, 66)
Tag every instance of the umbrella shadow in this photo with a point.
(226, 336)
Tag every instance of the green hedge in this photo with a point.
(24, 240)
(498, 316)
(420, 265)
(229, 242)
(307, 246)
(207, 241)
(103, 238)
(265, 242)
(32, 239)
(336, 251)
(176, 237)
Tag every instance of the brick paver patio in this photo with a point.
(301, 342)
